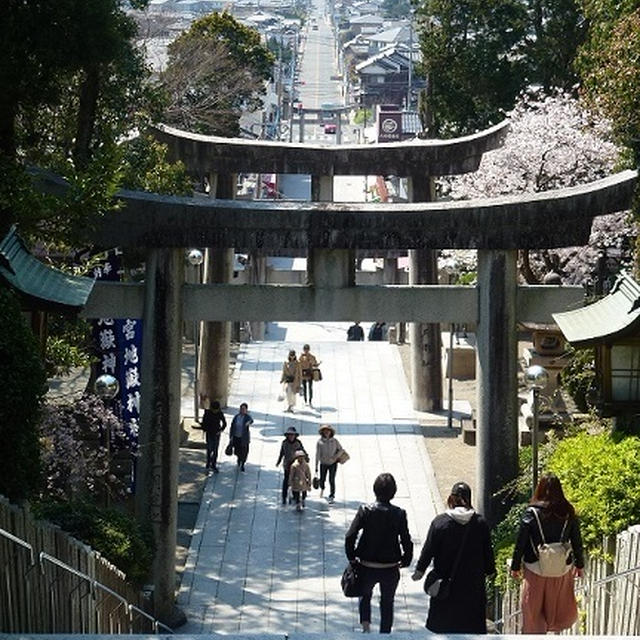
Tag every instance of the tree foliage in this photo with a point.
(396, 9)
(479, 55)
(21, 395)
(600, 475)
(216, 69)
(610, 65)
(466, 47)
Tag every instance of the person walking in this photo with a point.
(328, 450)
(288, 449)
(355, 333)
(383, 546)
(459, 544)
(291, 380)
(308, 363)
(378, 331)
(213, 424)
(548, 602)
(240, 434)
(300, 479)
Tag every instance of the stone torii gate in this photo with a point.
(329, 232)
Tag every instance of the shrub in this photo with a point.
(579, 376)
(68, 345)
(600, 475)
(75, 455)
(21, 393)
(116, 535)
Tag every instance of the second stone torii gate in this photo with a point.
(329, 232)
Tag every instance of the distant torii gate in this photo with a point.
(329, 232)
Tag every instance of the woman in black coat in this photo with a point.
(464, 610)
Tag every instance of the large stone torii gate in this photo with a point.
(329, 232)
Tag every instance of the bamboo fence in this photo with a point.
(52, 583)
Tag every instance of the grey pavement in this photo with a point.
(255, 566)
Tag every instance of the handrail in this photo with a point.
(582, 588)
(95, 584)
(610, 578)
(19, 541)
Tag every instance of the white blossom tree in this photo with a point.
(553, 143)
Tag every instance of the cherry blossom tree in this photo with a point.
(78, 440)
(554, 142)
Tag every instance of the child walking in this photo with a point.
(300, 479)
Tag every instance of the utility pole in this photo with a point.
(410, 74)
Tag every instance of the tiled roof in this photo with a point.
(43, 287)
(614, 316)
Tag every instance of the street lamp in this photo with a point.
(536, 378)
(450, 267)
(106, 387)
(195, 258)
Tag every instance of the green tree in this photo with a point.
(470, 61)
(396, 9)
(216, 69)
(610, 65)
(21, 395)
(478, 56)
(557, 30)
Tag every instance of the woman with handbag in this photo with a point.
(308, 363)
(383, 546)
(291, 379)
(328, 452)
(459, 544)
(548, 601)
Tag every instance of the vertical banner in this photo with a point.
(118, 344)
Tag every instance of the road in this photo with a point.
(318, 66)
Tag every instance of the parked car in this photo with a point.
(330, 128)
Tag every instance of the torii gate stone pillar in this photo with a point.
(157, 468)
(426, 353)
(496, 374)
(216, 336)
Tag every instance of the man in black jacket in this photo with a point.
(382, 548)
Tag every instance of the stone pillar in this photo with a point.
(497, 384)
(301, 126)
(329, 267)
(215, 340)
(426, 351)
(157, 467)
(257, 275)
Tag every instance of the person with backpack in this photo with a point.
(213, 424)
(548, 527)
(459, 544)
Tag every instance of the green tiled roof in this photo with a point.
(41, 287)
(616, 315)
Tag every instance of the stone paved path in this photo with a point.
(257, 567)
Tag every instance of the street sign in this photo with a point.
(389, 126)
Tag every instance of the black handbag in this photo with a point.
(435, 587)
(439, 587)
(229, 449)
(350, 582)
(315, 482)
